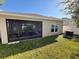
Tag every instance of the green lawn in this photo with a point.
(52, 47)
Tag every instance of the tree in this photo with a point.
(72, 8)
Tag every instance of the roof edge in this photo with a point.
(29, 15)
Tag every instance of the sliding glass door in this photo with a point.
(19, 29)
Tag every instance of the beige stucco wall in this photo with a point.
(46, 30)
(74, 29)
(69, 25)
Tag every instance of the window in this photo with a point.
(54, 28)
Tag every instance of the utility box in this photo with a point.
(68, 34)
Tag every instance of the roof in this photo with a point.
(31, 15)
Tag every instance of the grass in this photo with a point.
(51, 47)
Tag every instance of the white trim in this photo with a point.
(14, 42)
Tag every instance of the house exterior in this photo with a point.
(69, 25)
(23, 26)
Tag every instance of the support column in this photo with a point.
(3, 30)
(45, 29)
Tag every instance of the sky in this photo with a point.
(43, 7)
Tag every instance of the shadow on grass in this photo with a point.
(68, 37)
(74, 55)
(75, 38)
(8, 50)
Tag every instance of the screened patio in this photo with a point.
(20, 29)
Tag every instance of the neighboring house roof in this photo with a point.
(29, 15)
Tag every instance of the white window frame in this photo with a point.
(55, 26)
